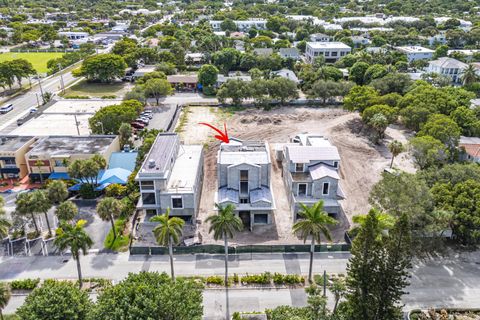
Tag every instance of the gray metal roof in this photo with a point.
(321, 170)
(305, 154)
(261, 194)
(161, 152)
(237, 151)
(227, 195)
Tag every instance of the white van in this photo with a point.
(6, 108)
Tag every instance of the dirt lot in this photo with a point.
(360, 168)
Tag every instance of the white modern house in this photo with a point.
(414, 53)
(448, 67)
(242, 25)
(73, 35)
(332, 51)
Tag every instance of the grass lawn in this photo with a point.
(122, 241)
(96, 90)
(38, 59)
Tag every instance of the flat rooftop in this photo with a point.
(55, 125)
(69, 145)
(161, 152)
(414, 49)
(238, 151)
(328, 45)
(13, 143)
(79, 106)
(185, 169)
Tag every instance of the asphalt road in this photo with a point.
(445, 281)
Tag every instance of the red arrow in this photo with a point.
(222, 136)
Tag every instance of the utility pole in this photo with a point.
(61, 78)
(40, 84)
(77, 123)
(38, 100)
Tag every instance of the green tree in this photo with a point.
(207, 75)
(75, 238)
(467, 120)
(167, 233)
(158, 88)
(150, 295)
(375, 71)
(103, 67)
(379, 122)
(112, 117)
(56, 300)
(395, 147)
(4, 223)
(125, 134)
(224, 225)
(226, 59)
(24, 206)
(392, 82)
(236, 90)
(469, 75)
(443, 128)
(428, 152)
(282, 89)
(357, 72)
(66, 211)
(313, 224)
(108, 209)
(360, 97)
(5, 294)
(441, 51)
(389, 112)
(228, 25)
(41, 204)
(57, 191)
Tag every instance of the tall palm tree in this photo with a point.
(66, 211)
(108, 209)
(42, 204)
(395, 147)
(25, 206)
(4, 223)
(469, 75)
(314, 223)
(168, 232)
(224, 225)
(57, 191)
(39, 164)
(75, 238)
(5, 294)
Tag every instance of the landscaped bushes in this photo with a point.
(218, 280)
(264, 278)
(25, 284)
(290, 279)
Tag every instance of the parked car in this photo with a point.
(137, 125)
(142, 120)
(33, 110)
(6, 108)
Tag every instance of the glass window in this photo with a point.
(325, 188)
(147, 185)
(334, 53)
(260, 218)
(298, 167)
(177, 202)
(243, 175)
(243, 200)
(327, 54)
(9, 161)
(335, 164)
(302, 189)
(148, 198)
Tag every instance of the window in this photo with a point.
(243, 175)
(147, 185)
(177, 202)
(302, 189)
(298, 167)
(243, 200)
(325, 188)
(243, 181)
(334, 53)
(148, 198)
(335, 164)
(327, 53)
(59, 163)
(9, 161)
(260, 218)
(342, 53)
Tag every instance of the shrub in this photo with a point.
(218, 280)
(76, 97)
(236, 278)
(25, 284)
(289, 279)
(109, 96)
(87, 191)
(122, 241)
(264, 278)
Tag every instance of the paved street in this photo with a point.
(446, 281)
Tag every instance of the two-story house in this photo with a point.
(171, 177)
(12, 156)
(244, 175)
(331, 51)
(311, 173)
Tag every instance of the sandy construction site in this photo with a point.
(361, 162)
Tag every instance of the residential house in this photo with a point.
(447, 66)
(171, 177)
(49, 156)
(287, 74)
(289, 53)
(263, 51)
(244, 180)
(320, 37)
(180, 81)
(311, 173)
(470, 147)
(439, 38)
(221, 79)
(74, 35)
(359, 41)
(141, 71)
(12, 156)
(332, 51)
(414, 53)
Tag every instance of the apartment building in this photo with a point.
(414, 53)
(311, 173)
(448, 67)
(244, 175)
(12, 156)
(171, 177)
(332, 51)
(49, 156)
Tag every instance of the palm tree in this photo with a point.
(314, 224)
(108, 208)
(469, 75)
(25, 206)
(5, 294)
(57, 191)
(66, 211)
(42, 204)
(39, 164)
(395, 147)
(77, 240)
(224, 225)
(385, 222)
(4, 223)
(168, 232)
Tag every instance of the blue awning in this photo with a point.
(75, 187)
(59, 176)
(102, 186)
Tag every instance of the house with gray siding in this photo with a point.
(244, 175)
(171, 177)
(311, 173)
